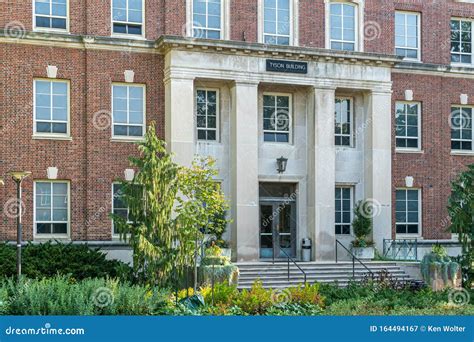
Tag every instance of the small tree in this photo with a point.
(167, 205)
(362, 224)
(461, 212)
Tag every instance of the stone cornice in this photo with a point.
(168, 43)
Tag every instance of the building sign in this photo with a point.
(291, 67)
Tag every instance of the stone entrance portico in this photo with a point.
(315, 165)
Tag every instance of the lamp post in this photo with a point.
(18, 177)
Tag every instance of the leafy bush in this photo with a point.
(50, 259)
(63, 296)
(306, 294)
(256, 300)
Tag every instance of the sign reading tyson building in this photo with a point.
(287, 66)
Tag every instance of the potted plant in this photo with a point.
(362, 246)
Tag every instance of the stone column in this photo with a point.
(244, 172)
(179, 119)
(378, 164)
(324, 174)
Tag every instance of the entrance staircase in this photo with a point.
(276, 275)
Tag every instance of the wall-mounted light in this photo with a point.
(281, 164)
(52, 172)
(409, 180)
(129, 175)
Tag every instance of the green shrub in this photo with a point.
(64, 296)
(256, 300)
(295, 310)
(50, 259)
(306, 294)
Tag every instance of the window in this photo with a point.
(461, 129)
(408, 125)
(461, 41)
(276, 118)
(407, 211)
(51, 208)
(128, 109)
(277, 22)
(343, 122)
(119, 206)
(407, 36)
(127, 17)
(207, 19)
(51, 14)
(343, 210)
(343, 30)
(207, 114)
(51, 108)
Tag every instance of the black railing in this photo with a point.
(401, 249)
(354, 258)
(289, 258)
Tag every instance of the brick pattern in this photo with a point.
(92, 72)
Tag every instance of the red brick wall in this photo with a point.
(435, 168)
(90, 92)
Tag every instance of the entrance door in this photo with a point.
(277, 227)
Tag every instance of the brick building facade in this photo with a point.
(170, 58)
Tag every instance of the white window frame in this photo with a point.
(49, 29)
(459, 64)
(115, 235)
(352, 193)
(125, 35)
(123, 137)
(420, 125)
(58, 136)
(352, 123)
(471, 151)
(359, 22)
(420, 215)
(418, 33)
(291, 114)
(294, 23)
(225, 19)
(217, 129)
(37, 236)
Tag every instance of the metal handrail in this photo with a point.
(294, 262)
(354, 258)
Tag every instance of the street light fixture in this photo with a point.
(18, 177)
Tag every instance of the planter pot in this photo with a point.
(364, 253)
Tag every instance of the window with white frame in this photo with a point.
(207, 114)
(343, 26)
(343, 121)
(128, 110)
(51, 14)
(207, 18)
(51, 107)
(407, 35)
(127, 17)
(408, 125)
(277, 22)
(461, 41)
(276, 117)
(51, 208)
(461, 129)
(407, 211)
(343, 210)
(119, 207)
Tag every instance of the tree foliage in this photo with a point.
(168, 205)
(362, 224)
(461, 211)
